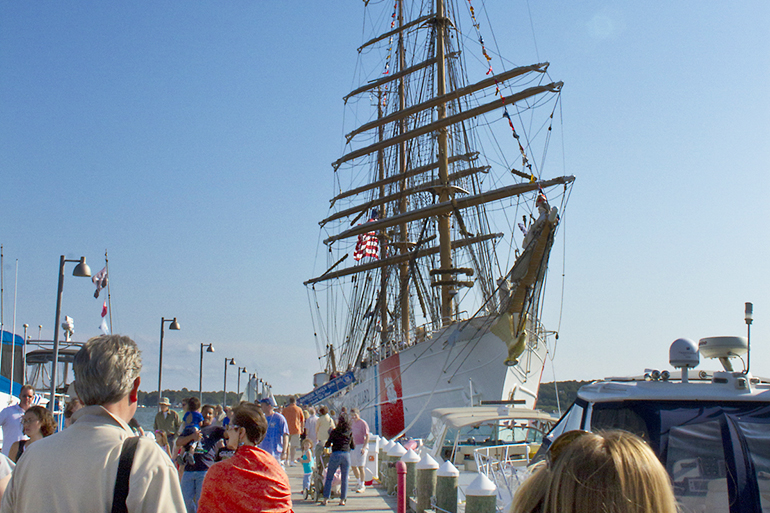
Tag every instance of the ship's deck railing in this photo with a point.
(416, 335)
(537, 335)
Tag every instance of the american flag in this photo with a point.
(368, 244)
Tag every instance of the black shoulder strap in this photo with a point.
(124, 471)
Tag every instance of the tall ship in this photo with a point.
(435, 251)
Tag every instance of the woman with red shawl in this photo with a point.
(252, 480)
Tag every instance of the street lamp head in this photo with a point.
(243, 371)
(174, 325)
(26, 326)
(82, 269)
(232, 361)
(210, 349)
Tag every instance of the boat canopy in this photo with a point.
(18, 340)
(460, 417)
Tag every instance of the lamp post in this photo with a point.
(173, 326)
(200, 377)
(81, 270)
(224, 394)
(241, 370)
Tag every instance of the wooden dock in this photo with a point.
(373, 498)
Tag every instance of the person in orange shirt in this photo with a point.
(296, 421)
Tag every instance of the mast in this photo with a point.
(443, 169)
(413, 160)
(403, 268)
(383, 238)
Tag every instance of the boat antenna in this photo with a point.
(749, 318)
(109, 298)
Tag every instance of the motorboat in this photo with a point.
(710, 428)
(496, 440)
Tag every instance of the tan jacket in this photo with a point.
(169, 423)
(74, 471)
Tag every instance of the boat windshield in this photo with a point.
(700, 443)
(436, 433)
(499, 432)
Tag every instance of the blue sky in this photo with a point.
(193, 142)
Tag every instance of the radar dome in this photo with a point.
(723, 347)
(683, 353)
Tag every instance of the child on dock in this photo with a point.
(307, 465)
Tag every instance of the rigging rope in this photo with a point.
(524, 159)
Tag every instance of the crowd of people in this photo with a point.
(222, 459)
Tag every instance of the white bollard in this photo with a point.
(481, 495)
(446, 487)
(394, 454)
(426, 481)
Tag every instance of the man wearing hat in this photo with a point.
(276, 440)
(167, 420)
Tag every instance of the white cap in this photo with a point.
(482, 486)
(448, 470)
(410, 457)
(427, 462)
(397, 450)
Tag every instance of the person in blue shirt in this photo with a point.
(276, 440)
(193, 420)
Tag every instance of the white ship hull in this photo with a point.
(398, 394)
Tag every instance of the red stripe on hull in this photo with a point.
(391, 405)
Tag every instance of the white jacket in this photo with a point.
(74, 471)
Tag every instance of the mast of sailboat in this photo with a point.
(444, 234)
(392, 224)
(403, 268)
(383, 239)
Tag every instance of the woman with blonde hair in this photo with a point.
(610, 471)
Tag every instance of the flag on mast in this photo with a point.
(100, 280)
(103, 326)
(368, 244)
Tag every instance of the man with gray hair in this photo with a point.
(90, 466)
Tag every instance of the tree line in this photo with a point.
(150, 399)
(546, 397)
